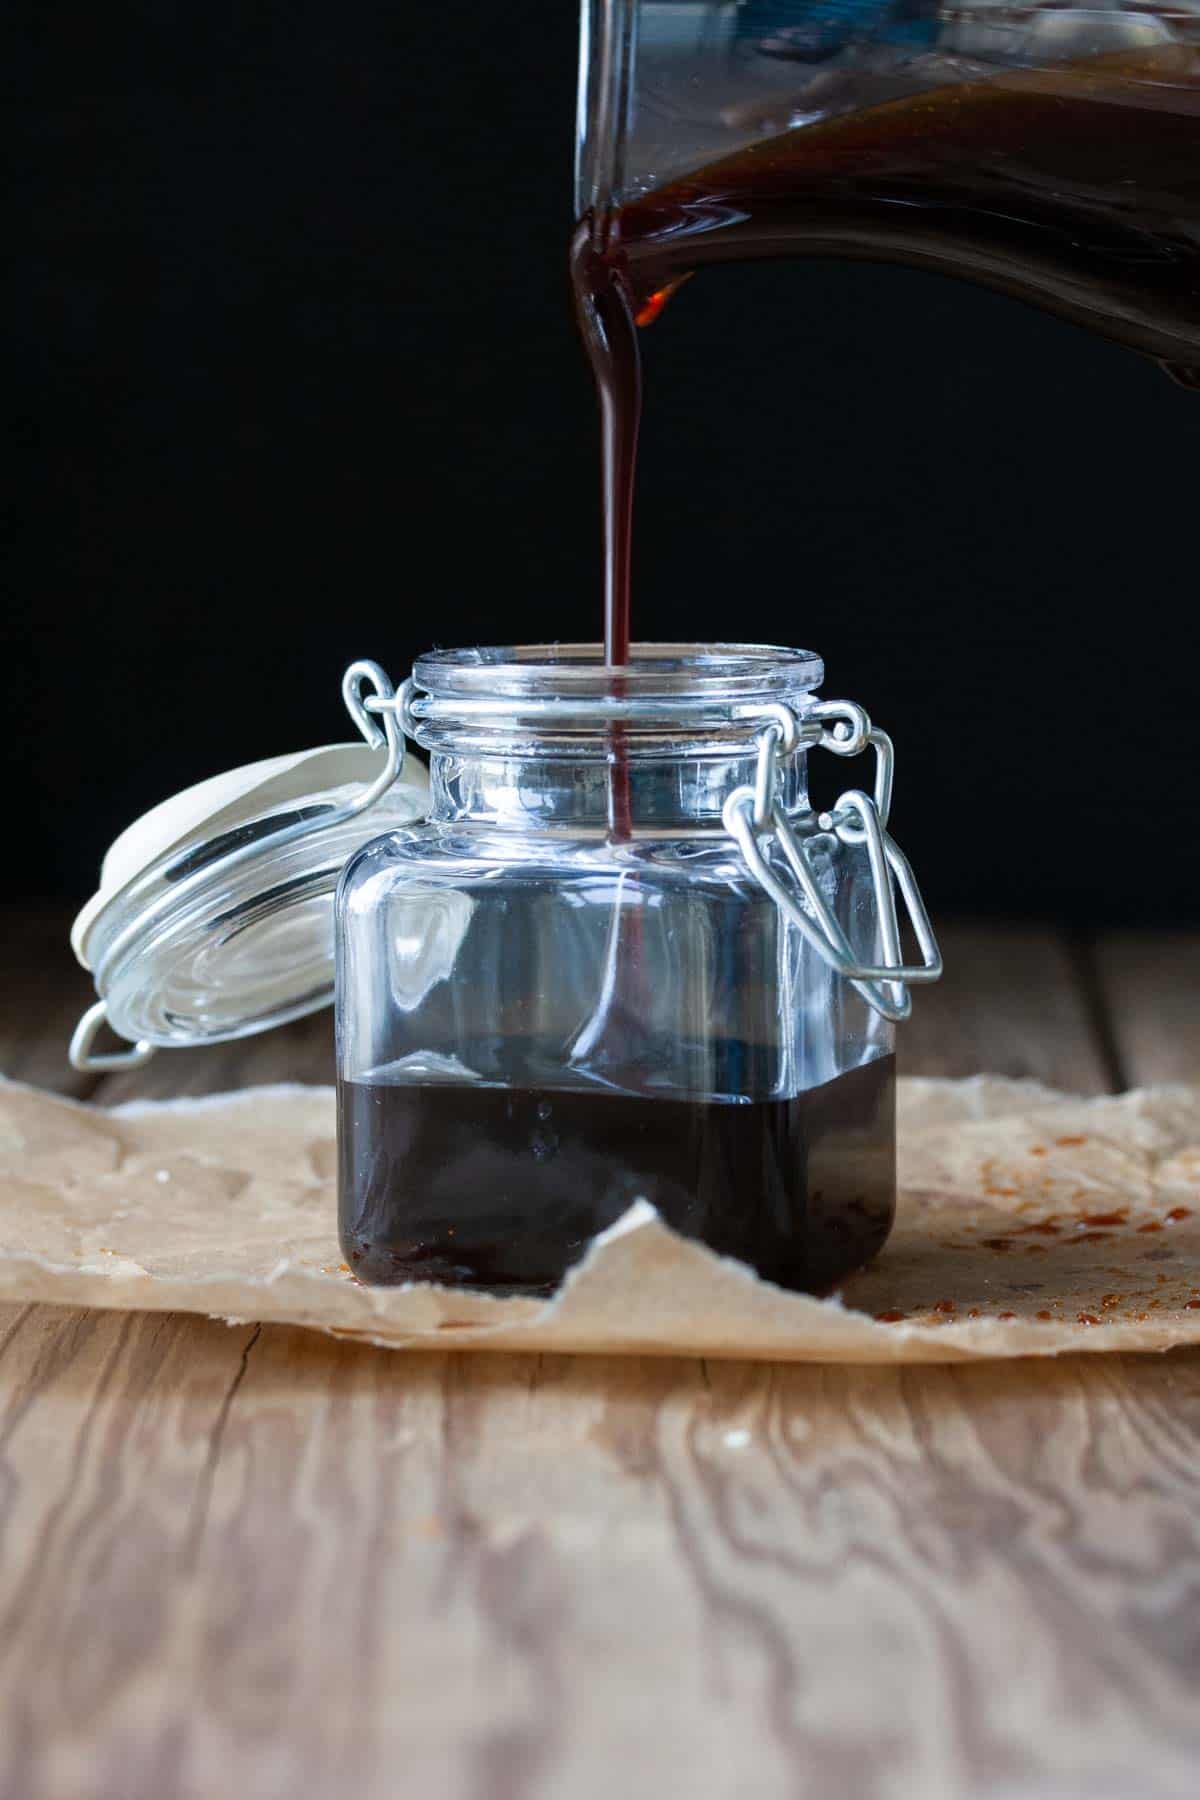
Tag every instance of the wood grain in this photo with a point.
(43, 992)
(262, 1563)
(1009, 1003)
(243, 1561)
(1151, 986)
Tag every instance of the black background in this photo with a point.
(294, 381)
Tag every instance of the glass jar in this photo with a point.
(606, 952)
(621, 959)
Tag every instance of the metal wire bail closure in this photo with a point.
(754, 814)
(382, 700)
(81, 1055)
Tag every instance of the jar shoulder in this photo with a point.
(448, 854)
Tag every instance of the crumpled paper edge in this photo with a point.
(690, 1300)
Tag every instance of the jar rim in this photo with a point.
(668, 672)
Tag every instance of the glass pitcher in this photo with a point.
(1050, 151)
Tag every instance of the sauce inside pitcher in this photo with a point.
(1075, 187)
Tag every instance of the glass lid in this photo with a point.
(214, 915)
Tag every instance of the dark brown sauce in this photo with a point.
(1076, 188)
(501, 1190)
(604, 310)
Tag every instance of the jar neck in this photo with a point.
(543, 736)
(524, 791)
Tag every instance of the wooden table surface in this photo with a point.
(255, 1562)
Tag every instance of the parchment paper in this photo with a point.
(1030, 1223)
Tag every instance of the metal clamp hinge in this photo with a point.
(754, 814)
(82, 1056)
